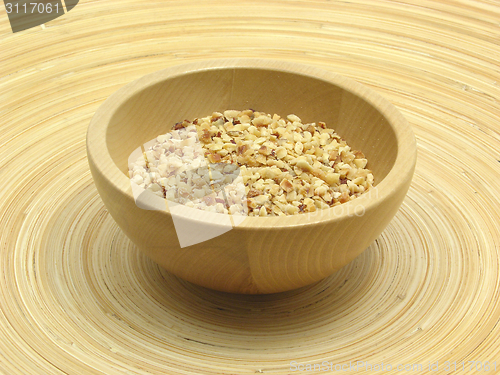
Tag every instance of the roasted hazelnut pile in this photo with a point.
(252, 163)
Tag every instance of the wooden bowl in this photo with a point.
(261, 254)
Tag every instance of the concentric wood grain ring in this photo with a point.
(77, 297)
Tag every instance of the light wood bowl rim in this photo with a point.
(396, 179)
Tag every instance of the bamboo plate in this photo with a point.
(76, 297)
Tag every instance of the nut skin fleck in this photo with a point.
(344, 197)
(215, 117)
(214, 158)
(333, 155)
(286, 185)
(205, 137)
(253, 193)
(358, 154)
(178, 126)
(220, 200)
(264, 150)
(242, 149)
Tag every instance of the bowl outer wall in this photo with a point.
(261, 255)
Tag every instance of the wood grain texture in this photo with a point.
(77, 297)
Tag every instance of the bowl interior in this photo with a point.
(155, 108)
